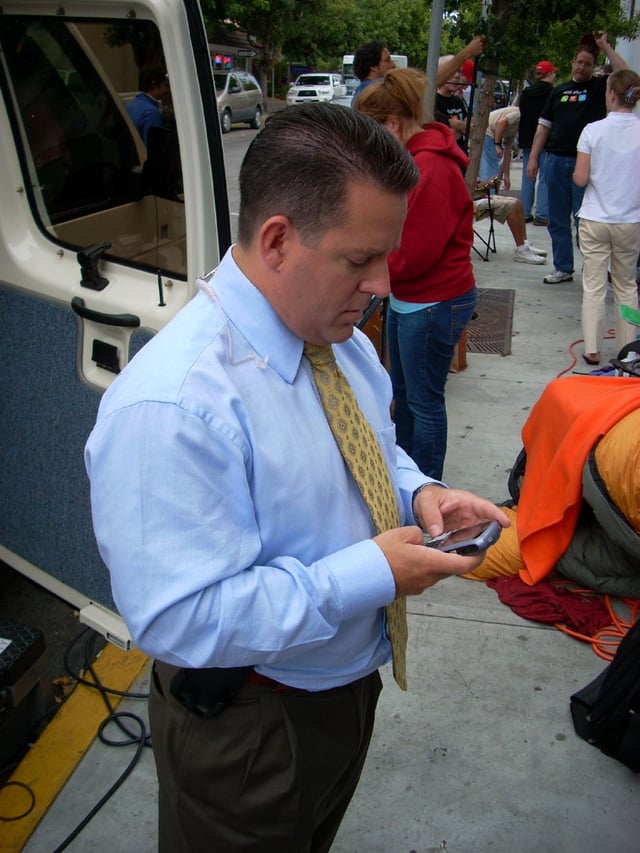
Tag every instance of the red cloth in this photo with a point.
(433, 262)
(547, 603)
(565, 423)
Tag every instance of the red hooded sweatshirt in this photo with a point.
(433, 262)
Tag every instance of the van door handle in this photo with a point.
(78, 306)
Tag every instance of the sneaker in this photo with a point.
(527, 256)
(557, 276)
(537, 251)
(528, 219)
(538, 220)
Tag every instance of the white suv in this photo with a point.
(320, 86)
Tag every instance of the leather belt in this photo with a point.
(254, 677)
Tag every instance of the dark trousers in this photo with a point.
(275, 771)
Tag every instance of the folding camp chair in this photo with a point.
(482, 209)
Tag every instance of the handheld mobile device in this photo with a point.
(466, 540)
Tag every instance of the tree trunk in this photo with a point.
(501, 12)
(481, 110)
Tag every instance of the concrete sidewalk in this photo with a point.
(480, 755)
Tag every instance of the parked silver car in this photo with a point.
(320, 86)
(239, 99)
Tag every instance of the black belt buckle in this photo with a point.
(207, 692)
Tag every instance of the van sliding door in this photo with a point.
(105, 226)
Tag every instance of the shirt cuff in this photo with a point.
(363, 576)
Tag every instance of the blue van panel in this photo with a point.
(46, 416)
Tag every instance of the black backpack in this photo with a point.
(606, 713)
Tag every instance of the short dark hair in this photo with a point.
(587, 44)
(366, 57)
(303, 161)
(150, 76)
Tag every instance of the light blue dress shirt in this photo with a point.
(232, 529)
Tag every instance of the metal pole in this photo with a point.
(435, 37)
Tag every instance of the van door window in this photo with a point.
(101, 159)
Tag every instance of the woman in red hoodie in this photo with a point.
(433, 290)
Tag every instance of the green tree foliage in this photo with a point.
(319, 32)
(270, 24)
(521, 32)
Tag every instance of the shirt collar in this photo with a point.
(255, 319)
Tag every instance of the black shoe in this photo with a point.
(528, 219)
(537, 220)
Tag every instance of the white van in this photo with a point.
(101, 239)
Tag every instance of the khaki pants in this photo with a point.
(275, 771)
(602, 244)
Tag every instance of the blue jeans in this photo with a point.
(565, 199)
(421, 348)
(490, 162)
(528, 189)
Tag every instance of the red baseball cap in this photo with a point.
(546, 67)
(467, 70)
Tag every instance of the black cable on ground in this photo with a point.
(141, 739)
(29, 808)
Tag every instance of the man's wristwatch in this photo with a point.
(417, 492)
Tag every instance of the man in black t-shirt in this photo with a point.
(569, 108)
(450, 109)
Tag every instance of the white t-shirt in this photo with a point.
(613, 192)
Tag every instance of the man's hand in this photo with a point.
(539, 142)
(601, 40)
(615, 60)
(437, 509)
(416, 567)
(476, 46)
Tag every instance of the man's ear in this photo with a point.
(274, 239)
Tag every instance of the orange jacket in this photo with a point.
(565, 423)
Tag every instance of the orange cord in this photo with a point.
(605, 641)
(608, 337)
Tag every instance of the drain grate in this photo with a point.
(490, 330)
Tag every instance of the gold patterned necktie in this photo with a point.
(361, 451)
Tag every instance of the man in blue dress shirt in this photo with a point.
(242, 555)
(146, 108)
